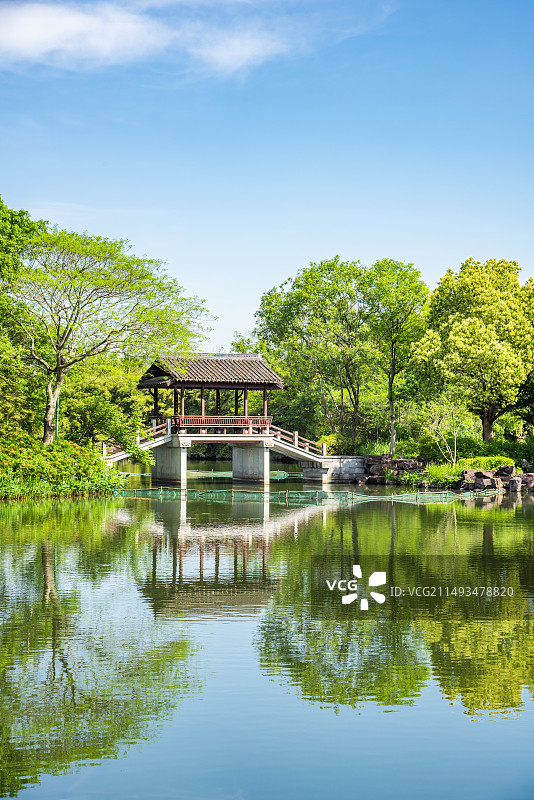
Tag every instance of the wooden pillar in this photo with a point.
(246, 403)
(202, 402)
(175, 412)
(218, 402)
(182, 401)
(265, 402)
(236, 403)
(156, 406)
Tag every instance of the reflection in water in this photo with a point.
(97, 599)
(334, 655)
(80, 676)
(220, 566)
(479, 649)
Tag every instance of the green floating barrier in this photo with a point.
(275, 475)
(305, 496)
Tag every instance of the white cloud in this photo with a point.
(225, 36)
(230, 51)
(74, 36)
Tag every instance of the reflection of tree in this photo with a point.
(485, 664)
(481, 651)
(72, 690)
(344, 662)
(332, 654)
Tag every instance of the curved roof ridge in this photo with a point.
(218, 369)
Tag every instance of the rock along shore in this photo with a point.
(385, 470)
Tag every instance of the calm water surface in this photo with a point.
(193, 649)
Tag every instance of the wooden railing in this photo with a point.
(246, 424)
(164, 429)
(294, 438)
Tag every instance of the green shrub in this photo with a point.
(374, 448)
(468, 448)
(29, 469)
(408, 448)
(406, 479)
(441, 473)
(337, 445)
(484, 462)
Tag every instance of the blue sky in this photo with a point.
(239, 140)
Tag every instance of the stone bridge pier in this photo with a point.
(252, 462)
(170, 461)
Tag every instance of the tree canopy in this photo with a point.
(479, 340)
(338, 323)
(78, 296)
(17, 232)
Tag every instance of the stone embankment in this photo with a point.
(378, 466)
(388, 471)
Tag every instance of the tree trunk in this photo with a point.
(487, 540)
(49, 581)
(393, 437)
(355, 417)
(487, 426)
(53, 390)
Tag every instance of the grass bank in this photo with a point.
(28, 470)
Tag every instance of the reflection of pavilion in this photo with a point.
(208, 568)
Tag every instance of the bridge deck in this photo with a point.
(281, 441)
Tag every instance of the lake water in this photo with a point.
(201, 649)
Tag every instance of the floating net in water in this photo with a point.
(275, 475)
(304, 496)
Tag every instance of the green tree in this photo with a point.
(82, 296)
(101, 401)
(316, 327)
(338, 323)
(479, 340)
(17, 231)
(19, 386)
(395, 296)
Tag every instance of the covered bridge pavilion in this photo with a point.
(250, 436)
(221, 372)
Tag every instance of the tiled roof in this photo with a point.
(209, 368)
